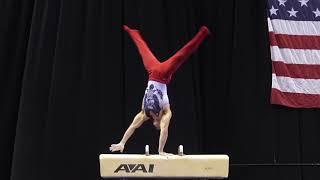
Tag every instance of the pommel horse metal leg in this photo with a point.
(180, 150)
(174, 166)
(147, 150)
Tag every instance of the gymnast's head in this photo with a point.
(154, 118)
(156, 124)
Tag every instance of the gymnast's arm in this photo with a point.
(136, 123)
(164, 126)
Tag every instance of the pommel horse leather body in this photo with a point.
(174, 166)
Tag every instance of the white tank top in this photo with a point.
(158, 89)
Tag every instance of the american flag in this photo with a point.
(294, 35)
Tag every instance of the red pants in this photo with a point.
(163, 71)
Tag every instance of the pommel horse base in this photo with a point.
(158, 166)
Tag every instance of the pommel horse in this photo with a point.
(158, 166)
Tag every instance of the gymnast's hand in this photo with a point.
(116, 147)
(165, 154)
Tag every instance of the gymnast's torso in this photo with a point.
(155, 97)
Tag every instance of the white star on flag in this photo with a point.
(292, 12)
(304, 2)
(281, 2)
(273, 11)
(316, 12)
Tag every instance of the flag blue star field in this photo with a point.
(294, 35)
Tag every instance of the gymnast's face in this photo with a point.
(156, 120)
(156, 124)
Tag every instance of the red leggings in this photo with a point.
(163, 71)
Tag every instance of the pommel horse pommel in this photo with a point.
(171, 166)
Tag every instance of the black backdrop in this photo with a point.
(72, 80)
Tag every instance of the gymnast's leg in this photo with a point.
(174, 62)
(149, 60)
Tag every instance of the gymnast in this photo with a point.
(155, 103)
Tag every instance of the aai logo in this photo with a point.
(132, 168)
